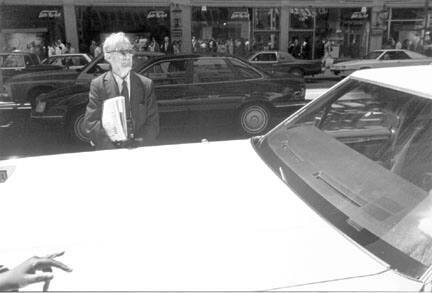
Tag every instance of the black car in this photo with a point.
(21, 90)
(285, 62)
(19, 62)
(199, 88)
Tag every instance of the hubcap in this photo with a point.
(79, 132)
(254, 120)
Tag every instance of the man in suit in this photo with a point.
(167, 46)
(141, 107)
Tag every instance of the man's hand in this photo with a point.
(33, 270)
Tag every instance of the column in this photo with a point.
(284, 28)
(70, 23)
(180, 22)
(377, 29)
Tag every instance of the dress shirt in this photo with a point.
(119, 82)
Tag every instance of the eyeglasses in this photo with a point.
(124, 52)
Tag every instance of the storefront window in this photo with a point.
(302, 18)
(407, 13)
(221, 30)
(141, 24)
(31, 28)
(406, 25)
(266, 19)
(234, 30)
(344, 31)
(266, 29)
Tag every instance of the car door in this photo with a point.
(389, 59)
(12, 65)
(171, 78)
(215, 92)
(264, 60)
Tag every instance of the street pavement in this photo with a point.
(31, 139)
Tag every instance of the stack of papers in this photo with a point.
(114, 118)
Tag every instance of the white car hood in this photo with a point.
(206, 216)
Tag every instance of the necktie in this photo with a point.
(125, 93)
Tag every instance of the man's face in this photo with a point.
(120, 58)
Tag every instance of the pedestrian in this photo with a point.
(166, 46)
(33, 270)
(195, 45)
(176, 47)
(51, 50)
(327, 59)
(92, 48)
(97, 50)
(140, 100)
(69, 48)
(154, 46)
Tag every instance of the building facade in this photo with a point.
(302, 27)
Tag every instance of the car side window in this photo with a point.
(99, 67)
(266, 57)
(27, 60)
(244, 71)
(167, 72)
(395, 55)
(211, 70)
(400, 55)
(14, 61)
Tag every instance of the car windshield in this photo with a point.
(373, 55)
(362, 157)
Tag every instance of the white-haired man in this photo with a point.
(141, 107)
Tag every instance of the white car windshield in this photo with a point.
(362, 157)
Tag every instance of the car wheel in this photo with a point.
(297, 72)
(75, 128)
(254, 119)
(336, 72)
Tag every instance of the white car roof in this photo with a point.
(410, 79)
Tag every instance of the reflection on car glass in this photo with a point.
(367, 150)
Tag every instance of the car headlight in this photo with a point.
(40, 107)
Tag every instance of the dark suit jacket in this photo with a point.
(167, 48)
(143, 107)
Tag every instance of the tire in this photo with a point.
(254, 119)
(74, 128)
(297, 72)
(336, 72)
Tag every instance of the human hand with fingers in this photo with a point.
(34, 270)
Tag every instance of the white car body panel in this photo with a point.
(350, 66)
(207, 216)
(411, 82)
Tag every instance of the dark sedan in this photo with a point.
(193, 89)
(18, 62)
(285, 62)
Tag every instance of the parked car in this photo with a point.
(21, 90)
(283, 61)
(381, 58)
(336, 199)
(18, 62)
(224, 89)
(70, 61)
